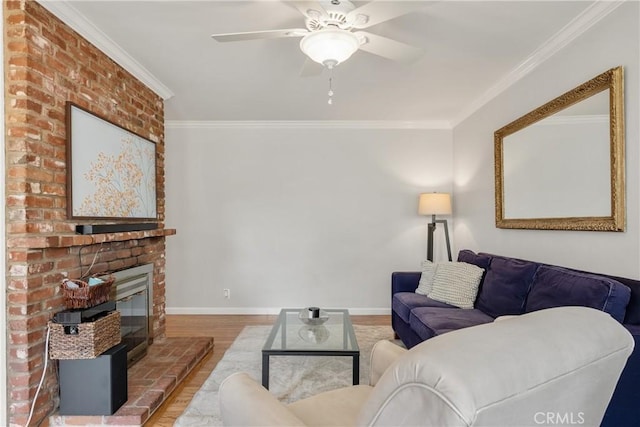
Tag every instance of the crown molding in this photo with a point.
(307, 124)
(65, 11)
(579, 25)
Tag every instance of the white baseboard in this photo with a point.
(359, 311)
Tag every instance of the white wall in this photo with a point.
(613, 41)
(291, 215)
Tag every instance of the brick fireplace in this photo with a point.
(46, 64)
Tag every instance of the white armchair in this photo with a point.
(549, 367)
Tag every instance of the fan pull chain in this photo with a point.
(330, 93)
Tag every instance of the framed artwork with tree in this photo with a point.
(111, 172)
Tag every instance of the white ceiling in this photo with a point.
(472, 50)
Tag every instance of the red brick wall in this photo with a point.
(47, 64)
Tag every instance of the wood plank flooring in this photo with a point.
(224, 329)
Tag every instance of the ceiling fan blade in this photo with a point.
(310, 9)
(376, 12)
(254, 35)
(311, 68)
(388, 48)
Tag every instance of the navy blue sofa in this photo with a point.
(512, 286)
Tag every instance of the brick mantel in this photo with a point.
(66, 241)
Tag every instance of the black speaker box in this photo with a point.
(94, 386)
(115, 228)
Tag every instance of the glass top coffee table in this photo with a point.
(290, 336)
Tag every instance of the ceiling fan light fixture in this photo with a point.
(330, 46)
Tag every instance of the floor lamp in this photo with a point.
(435, 204)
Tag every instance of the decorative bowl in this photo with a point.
(304, 317)
(314, 334)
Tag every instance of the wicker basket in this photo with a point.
(92, 339)
(86, 296)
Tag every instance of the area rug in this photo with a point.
(291, 377)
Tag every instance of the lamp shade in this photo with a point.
(330, 46)
(434, 204)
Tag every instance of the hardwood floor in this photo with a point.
(224, 329)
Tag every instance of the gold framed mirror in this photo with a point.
(561, 166)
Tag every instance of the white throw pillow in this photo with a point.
(456, 283)
(426, 278)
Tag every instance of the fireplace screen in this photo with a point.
(132, 292)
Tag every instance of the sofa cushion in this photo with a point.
(470, 257)
(505, 286)
(456, 283)
(633, 308)
(426, 278)
(403, 302)
(430, 321)
(556, 286)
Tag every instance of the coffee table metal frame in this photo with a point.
(281, 325)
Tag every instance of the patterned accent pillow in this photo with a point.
(426, 278)
(456, 283)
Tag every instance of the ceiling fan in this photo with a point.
(330, 37)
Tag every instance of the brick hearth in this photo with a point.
(151, 380)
